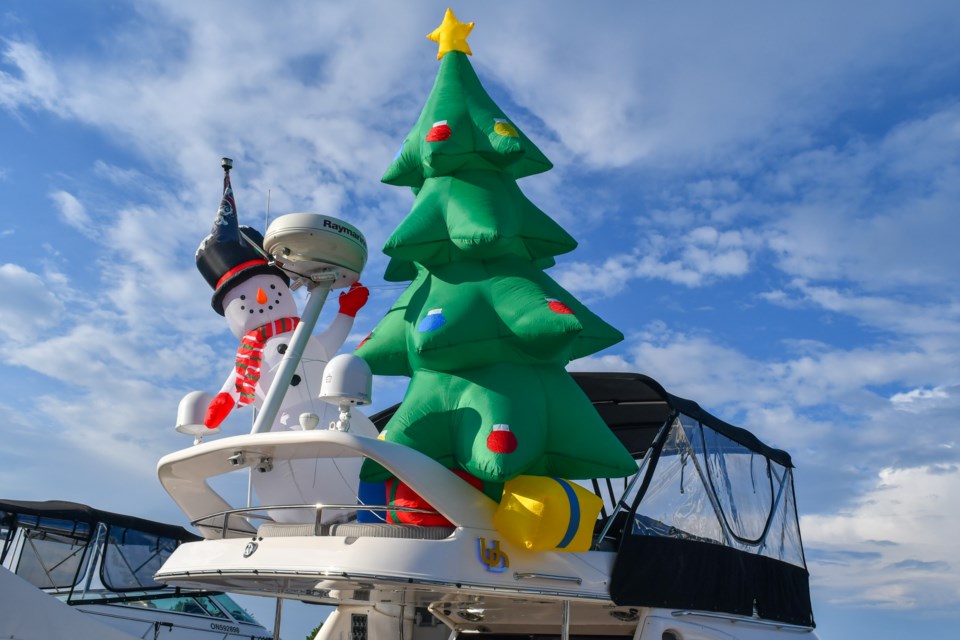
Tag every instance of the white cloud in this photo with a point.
(702, 368)
(119, 176)
(27, 306)
(72, 211)
(906, 317)
(864, 228)
(923, 398)
(702, 256)
(152, 277)
(86, 356)
(37, 85)
(887, 550)
(601, 363)
(880, 214)
(816, 401)
(715, 191)
(694, 87)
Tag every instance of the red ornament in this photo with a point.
(501, 439)
(558, 307)
(439, 132)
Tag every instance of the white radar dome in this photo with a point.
(347, 381)
(310, 244)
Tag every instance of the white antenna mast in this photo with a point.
(253, 413)
(266, 217)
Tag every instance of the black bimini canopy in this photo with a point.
(76, 512)
(635, 407)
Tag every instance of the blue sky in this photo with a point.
(765, 199)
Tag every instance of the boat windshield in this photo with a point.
(131, 557)
(238, 612)
(707, 487)
(51, 552)
(199, 605)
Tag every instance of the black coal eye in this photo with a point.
(243, 297)
(273, 286)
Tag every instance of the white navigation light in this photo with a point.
(307, 245)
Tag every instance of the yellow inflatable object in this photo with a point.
(547, 514)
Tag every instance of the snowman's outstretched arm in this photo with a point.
(223, 403)
(351, 301)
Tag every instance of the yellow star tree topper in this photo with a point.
(451, 35)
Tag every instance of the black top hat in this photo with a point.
(231, 254)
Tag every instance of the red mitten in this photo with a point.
(218, 410)
(352, 300)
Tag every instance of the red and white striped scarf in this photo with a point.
(250, 355)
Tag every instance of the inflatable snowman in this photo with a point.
(254, 297)
(260, 311)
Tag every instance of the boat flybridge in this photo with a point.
(102, 564)
(702, 542)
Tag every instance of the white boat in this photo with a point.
(102, 564)
(702, 543)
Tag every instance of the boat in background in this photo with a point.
(102, 564)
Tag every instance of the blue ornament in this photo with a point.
(432, 321)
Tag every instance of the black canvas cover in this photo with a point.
(74, 511)
(682, 574)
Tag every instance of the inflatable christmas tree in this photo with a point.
(483, 333)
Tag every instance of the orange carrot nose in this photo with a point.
(261, 296)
